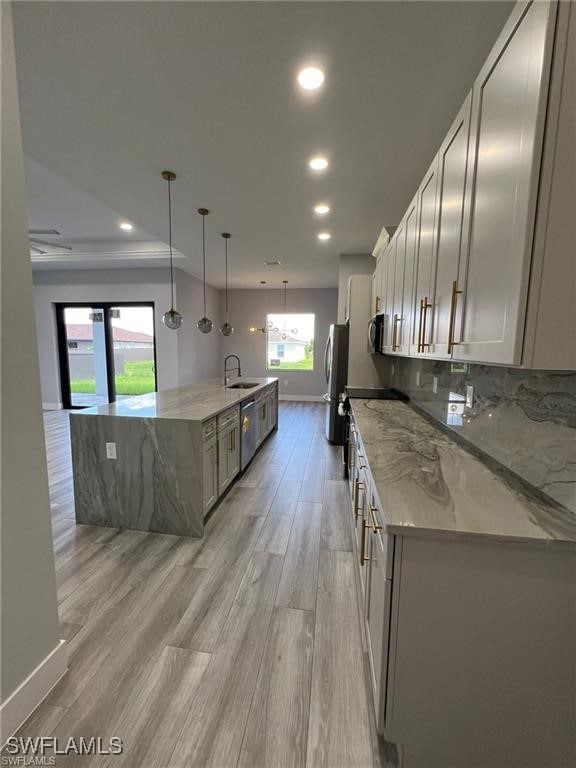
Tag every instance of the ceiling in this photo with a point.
(112, 93)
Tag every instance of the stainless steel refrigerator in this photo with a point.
(336, 370)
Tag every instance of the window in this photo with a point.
(290, 342)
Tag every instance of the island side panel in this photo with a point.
(154, 484)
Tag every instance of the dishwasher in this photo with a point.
(248, 436)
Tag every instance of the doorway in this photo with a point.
(106, 351)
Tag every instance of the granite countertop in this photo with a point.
(428, 483)
(195, 402)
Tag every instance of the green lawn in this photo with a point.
(302, 365)
(137, 379)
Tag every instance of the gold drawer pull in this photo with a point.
(363, 558)
(375, 526)
(358, 486)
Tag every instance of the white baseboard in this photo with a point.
(32, 691)
(51, 406)
(302, 398)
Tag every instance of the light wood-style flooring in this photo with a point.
(241, 649)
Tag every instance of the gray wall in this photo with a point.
(351, 264)
(250, 307)
(182, 357)
(30, 629)
(199, 354)
(526, 420)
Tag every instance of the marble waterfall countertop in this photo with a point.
(194, 402)
(429, 484)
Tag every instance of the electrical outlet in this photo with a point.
(469, 396)
(417, 378)
(110, 450)
(285, 382)
(435, 384)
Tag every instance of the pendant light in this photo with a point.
(204, 325)
(226, 329)
(292, 330)
(171, 319)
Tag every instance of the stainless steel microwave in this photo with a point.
(375, 331)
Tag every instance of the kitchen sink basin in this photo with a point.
(242, 385)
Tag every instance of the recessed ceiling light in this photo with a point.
(321, 209)
(126, 226)
(324, 236)
(272, 263)
(310, 78)
(318, 163)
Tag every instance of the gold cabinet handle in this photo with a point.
(424, 309)
(377, 307)
(395, 345)
(375, 525)
(358, 486)
(453, 301)
(420, 326)
(363, 558)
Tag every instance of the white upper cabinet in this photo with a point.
(388, 276)
(425, 261)
(446, 312)
(483, 267)
(508, 111)
(377, 287)
(406, 322)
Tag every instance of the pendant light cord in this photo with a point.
(170, 243)
(226, 270)
(204, 261)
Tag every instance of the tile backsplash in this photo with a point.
(526, 420)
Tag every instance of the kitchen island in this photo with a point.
(160, 462)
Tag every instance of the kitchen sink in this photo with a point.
(242, 385)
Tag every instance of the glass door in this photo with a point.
(85, 356)
(134, 349)
(106, 352)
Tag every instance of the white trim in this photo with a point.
(32, 691)
(51, 406)
(302, 398)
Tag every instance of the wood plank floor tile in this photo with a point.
(157, 707)
(277, 729)
(213, 732)
(300, 574)
(312, 489)
(275, 534)
(336, 532)
(339, 733)
(107, 655)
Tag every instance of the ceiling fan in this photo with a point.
(45, 233)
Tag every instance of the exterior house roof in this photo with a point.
(83, 332)
(277, 338)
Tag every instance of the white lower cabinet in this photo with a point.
(266, 413)
(377, 604)
(228, 456)
(470, 643)
(210, 490)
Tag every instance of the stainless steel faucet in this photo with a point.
(226, 370)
